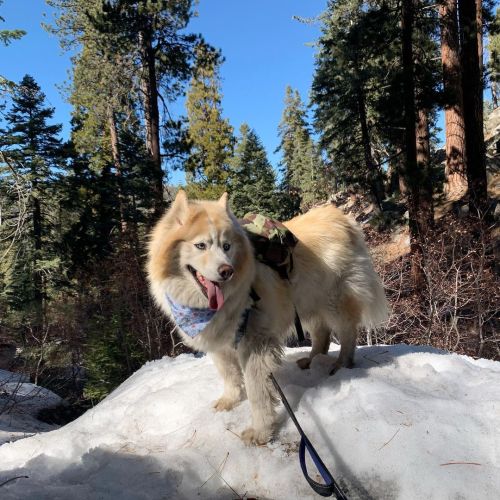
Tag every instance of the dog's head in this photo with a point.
(198, 253)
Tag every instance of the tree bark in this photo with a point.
(472, 87)
(455, 169)
(149, 87)
(479, 21)
(117, 162)
(411, 167)
(373, 176)
(424, 167)
(38, 292)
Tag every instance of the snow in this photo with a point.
(405, 423)
(20, 401)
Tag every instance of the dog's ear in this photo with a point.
(223, 201)
(179, 207)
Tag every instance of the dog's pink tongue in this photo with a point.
(215, 295)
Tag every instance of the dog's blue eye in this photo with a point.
(226, 247)
(200, 246)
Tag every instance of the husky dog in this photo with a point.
(204, 275)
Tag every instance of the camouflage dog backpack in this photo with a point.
(273, 242)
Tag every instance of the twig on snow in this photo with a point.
(460, 463)
(13, 479)
(393, 436)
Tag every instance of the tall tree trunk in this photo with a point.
(479, 21)
(455, 170)
(117, 162)
(38, 294)
(373, 176)
(424, 169)
(411, 167)
(494, 94)
(149, 87)
(472, 87)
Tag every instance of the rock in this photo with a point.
(7, 355)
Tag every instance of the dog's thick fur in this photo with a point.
(332, 285)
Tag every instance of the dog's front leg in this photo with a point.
(228, 366)
(259, 358)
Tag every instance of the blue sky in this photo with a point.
(264, 47)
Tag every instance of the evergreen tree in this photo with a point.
(89, 201)
(369, 69)
(291, 130)
(354, 50)
(34, 154)
(147, 39)
(494, 64)
(472, 89)
(428, 96)
(411, 168)
(210, 136)
(455, 171)
(252, 180)
(302, 168)
(104, 105)
(6, 36)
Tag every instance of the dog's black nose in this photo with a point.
(225, 271)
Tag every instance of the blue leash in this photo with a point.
(330, 487)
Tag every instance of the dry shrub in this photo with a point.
(154, 332)
(102, 325)
(458, 310)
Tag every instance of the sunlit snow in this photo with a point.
(405, 423)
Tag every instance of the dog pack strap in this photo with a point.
(298, 327)
(330, 487)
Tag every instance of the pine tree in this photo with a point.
(411, 167)
(302, 168)
(369, 69)
(292, 128)
(472, 88)
(348, 63)
(210, 136)
(428, 96)
(494, 64)
(252, 180)
(88, 199)
(6, 36)
(148, 39)
(455, 170)
(34, 154)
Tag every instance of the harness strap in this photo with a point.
(298, 327)
(330, 487)
(242, 329)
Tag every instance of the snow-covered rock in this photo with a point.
(405, 423)
(20, 402)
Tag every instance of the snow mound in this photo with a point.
(405, 423)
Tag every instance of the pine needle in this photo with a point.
(393, 436)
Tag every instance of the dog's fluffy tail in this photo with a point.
(366, 286)
(376, 310)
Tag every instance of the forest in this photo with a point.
(75, 311)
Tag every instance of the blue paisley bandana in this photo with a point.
(191, 320)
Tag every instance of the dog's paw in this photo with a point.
(225, 404)
(253, 437)
(338, 365)
(304, 363)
